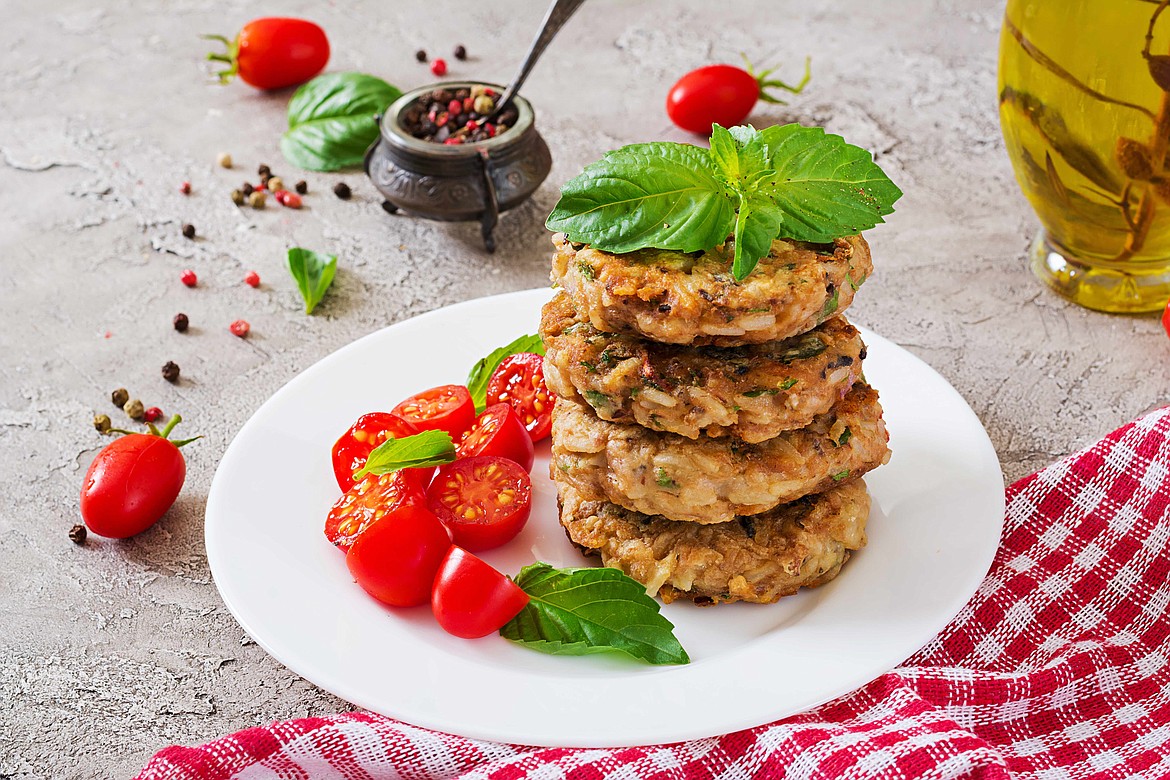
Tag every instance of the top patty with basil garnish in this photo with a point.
(752, 392)
(692, 298)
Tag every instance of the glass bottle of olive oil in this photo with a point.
(1084, 102)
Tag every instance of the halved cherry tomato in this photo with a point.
(1166, 319)
(483, 501)
(370, 430)
(371, 499)
(396, 558)
(471, 599)
(519, 382)
(498, 431)
(446, 408)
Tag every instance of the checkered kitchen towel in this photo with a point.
(1056, 669)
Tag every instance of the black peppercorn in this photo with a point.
(460, 52)
(181, 322)
(341, 190)
(301, 187)
(188, 230)
(263, 170)
(170, 371)
(421, 55)
(247, 189)
(77, 534)
(120, 397)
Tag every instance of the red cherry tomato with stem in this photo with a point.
(471, 599)
(355, 445)
(446, 408)
(723, 95)
(132, 482)
(498, 431)
(519, 382)
(396, 558)
(376, 496)
(274, 52)
(483, 501)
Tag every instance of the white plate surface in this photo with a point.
(936, 521)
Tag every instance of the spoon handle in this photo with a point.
(558, 13)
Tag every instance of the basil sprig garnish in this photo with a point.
(784, 181)
(429, 448)
(587, 611)
(481, 372)
(331, 120)
(313, 273)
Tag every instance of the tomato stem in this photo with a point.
(764, 83)
(231, 57)
(171, 423)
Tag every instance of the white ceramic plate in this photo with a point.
(935, 525)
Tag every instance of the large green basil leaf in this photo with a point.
(331, 120)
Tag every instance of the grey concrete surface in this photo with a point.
(111, 651)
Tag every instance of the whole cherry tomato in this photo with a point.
(132, 482)
(483, 501)
(396, 558)
(498, 431)
(722, 94)
(371, 499)
(471, 599)
(274, 52)
(519, 382)
(446, 408)
(355, 445)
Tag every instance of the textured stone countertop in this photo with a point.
(111, 651)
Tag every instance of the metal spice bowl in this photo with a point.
(453, 183)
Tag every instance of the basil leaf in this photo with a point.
(826, 187)
(758, 222)
(586, 611)
(429, 448)
(313, 273)
(331, 120)
(481, 372)
(659, 194)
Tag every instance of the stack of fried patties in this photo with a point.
(710, 434)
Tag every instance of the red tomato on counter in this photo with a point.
(274, 52)
(131, 483)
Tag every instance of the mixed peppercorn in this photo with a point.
(457, 116)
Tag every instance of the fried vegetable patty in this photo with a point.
(680, 298)
(752, 392)
(758, 559)
(710, 480)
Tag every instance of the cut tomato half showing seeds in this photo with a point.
(355, 445)
(483, 501)
(368, 501)
(498, 431)
(445, 408)
(519, 382)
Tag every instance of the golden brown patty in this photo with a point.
(713, 480)
(753, 392)
(681, 298)
(758, 559)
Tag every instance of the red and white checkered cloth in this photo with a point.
(1056, 669)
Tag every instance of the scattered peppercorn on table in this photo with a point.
(111, 194)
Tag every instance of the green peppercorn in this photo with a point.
(224, 160)
(257, 199)
(120, 397)
(484, 105)
(275, 184)
(134, 409)
(238, 197)
(101, 423)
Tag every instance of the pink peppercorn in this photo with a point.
(188, 278)
(185, 188)
(151, 414)
(455, 107)
(291, 200)
(252, 279)
(439, 67)
(240, 328)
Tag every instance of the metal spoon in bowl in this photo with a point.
(558, 13)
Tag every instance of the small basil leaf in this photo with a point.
(659, 194)
(429, 448)
(481, 372)
(331, 120)
(313, 273)
(586, 611)
(758, 222)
